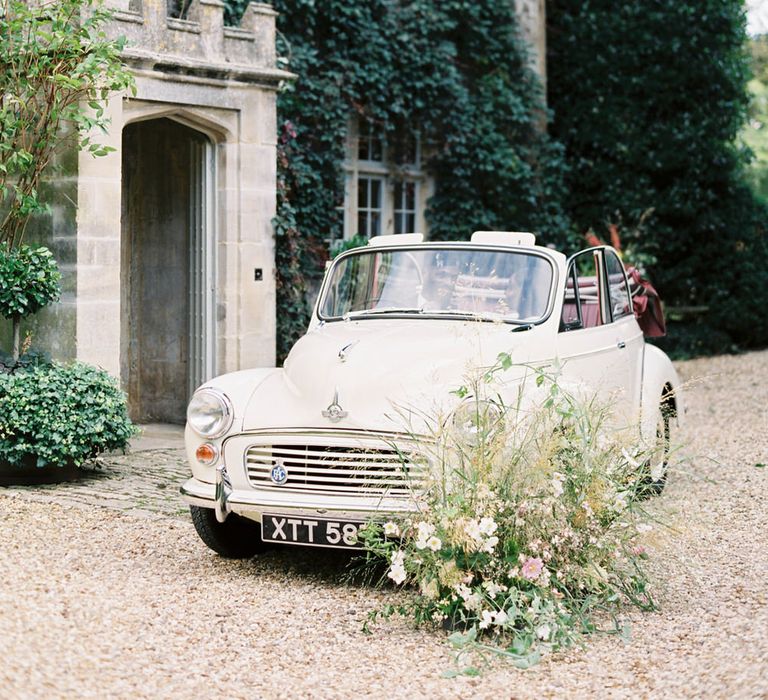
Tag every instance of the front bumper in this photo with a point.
(252, 504)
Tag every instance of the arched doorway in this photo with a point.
(167, 267)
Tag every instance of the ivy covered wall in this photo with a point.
(454, 71)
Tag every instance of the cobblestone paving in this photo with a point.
(143, 483)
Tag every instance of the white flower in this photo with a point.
(434, 543)
(472, 529)
(487, 619)
(543, 632)
(558, 480)
(500, 618)
(519, 522)
(487, 526)
(632, 462)
(657, 470)
(620, 502)
(489, 544)
(473, 602)
(514, 572)
(493, 588)
(391, 529)
(424, 530)
(463, 590)
(421, 544)
(397, 573)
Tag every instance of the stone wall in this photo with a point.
(220, 82)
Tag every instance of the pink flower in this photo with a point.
(532, 568)
(638, 550)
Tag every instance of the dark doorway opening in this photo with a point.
(165, 267)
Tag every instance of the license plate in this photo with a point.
(315, 532)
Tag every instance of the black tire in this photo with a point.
(650, 486)
(235, 538)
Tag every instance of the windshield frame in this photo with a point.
(442, 315)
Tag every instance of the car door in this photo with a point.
(594, 350)
(629, 336)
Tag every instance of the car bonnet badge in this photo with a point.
(335, 412)
(279, 473)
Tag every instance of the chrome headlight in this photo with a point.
(477, 420)
(210, 413)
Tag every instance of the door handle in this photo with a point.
(621, 345)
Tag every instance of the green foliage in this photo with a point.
(758, 51)
(29, 280)
(456, 73)
(61, 415)
(58, 71)
(234, 10)
(530, 521)
(341, 246)
(649, 99)
(755, 133)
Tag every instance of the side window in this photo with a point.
(571, 317)
(618, 291)
(581, 305)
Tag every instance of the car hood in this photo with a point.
(384, 374)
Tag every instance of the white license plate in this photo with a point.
(316, 532)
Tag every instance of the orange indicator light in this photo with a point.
(206, 453)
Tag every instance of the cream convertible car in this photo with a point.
(307, 453)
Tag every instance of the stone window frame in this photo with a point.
(366, 161)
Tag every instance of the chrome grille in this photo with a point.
(336, 469)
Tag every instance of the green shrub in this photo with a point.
(648, 100)
(61, 415)
(29, 280)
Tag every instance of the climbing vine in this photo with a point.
(455, 72)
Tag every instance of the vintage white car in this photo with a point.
(306, 453)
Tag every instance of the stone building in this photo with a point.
(166, 244)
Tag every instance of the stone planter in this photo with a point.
(32, 475)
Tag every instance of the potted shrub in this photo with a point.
(55, 417)
(29, 280)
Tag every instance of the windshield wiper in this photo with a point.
(382, 311)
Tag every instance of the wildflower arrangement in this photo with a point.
(529, 523)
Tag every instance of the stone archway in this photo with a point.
(167, 268)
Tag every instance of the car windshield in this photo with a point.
(511, 286)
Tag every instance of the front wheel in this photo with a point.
(235, 538)
(655, 468)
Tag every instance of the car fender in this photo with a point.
(239, 387)
(659, 379)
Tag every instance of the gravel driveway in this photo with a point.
(126, 602)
